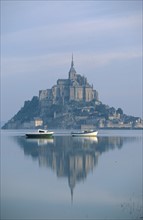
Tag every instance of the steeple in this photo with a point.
(72, 71)
(72, 63)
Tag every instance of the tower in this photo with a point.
(72, 71)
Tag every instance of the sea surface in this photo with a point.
(72, 178)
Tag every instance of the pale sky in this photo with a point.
(39, 37)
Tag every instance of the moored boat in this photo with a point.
(86, 133)
(40, 134)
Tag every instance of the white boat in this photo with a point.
(40, 134)
(86, 133)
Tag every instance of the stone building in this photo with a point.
(75, 88)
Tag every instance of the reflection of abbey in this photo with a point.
(75, 88)
(73, 158)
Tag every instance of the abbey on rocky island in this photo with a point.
(75, 88)
(71, 103)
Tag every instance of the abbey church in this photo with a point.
(75, 88)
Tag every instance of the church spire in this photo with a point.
(72, 72)
(72, 63)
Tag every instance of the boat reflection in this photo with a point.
(86, 139)
(70, 157)
(40, 141)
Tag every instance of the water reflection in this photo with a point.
(70, 157)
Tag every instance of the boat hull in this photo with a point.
(83, 134)
(40, 135)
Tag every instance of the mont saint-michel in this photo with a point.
(71, 103)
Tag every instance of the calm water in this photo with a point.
(72, 178)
